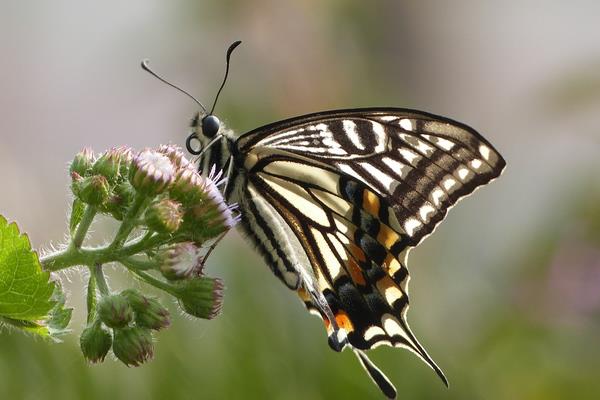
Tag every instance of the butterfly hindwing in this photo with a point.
(349, 246)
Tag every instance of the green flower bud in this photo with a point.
(151, 172)
(92, 190)
(164, 216)
(149, 313)
(188, 187)
(133, 346)
(95, 342)
(82, 162)
(115, 311)
(109, 163)
(200, 297)
(175, 155)
(180, 261)
(120, 200)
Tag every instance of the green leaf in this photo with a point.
(77, 211)
(53, 327)
(59, 317)
(25, 290)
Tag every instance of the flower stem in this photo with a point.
(71, 256)
(130, 221)
(101, 280)
(152, 280)
(84, 226)
(91, 297)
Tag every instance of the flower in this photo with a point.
(82, 162)
(180, 261)
(93, 190)
(133, 345)
(115, 311)
(188, 186)
(175, 154)
(207, 215)
(95, 342)
(200, 297)
(149, 313)
(151, 172)
(111, 162)
(164, 216)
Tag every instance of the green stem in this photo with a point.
(71, 256)
(130, 220)
(84, 226)
(101, 280)
(153, 281)
(91, 297)
(140, 264)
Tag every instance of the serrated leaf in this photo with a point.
(60, 316)
(25, 290)
(77, 211)
(53, 327)
(32, 327)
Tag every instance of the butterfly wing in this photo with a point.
(357, 189)
(421, 163)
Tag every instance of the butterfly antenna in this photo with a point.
(146, 67)
(227, 57)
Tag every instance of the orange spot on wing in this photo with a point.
(357, 252)
(303, 294)
(386, 236)
(391, 264)
(343, 321)
(355, 272)
(370, 202)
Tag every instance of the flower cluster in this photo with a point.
(168, 213)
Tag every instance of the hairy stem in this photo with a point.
(71, 256)
(129, 222)
(101, 280)
(84, 226)
(91, 297)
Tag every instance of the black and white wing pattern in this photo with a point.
(351, 192)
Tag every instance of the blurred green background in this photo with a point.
(505, 295)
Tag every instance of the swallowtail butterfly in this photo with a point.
(335, 200)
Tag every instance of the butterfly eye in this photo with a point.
(210, 126)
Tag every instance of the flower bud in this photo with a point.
(188, 187)
(164, 216)
(211, 216)
(109, 163)
(133, 345)
(174, 154)
(151, 172)
(180, 261)
(200, 297)
(120, 200)
(95, 342)
(149, 313)
(92, 190)
(82, 162)
(115, 311)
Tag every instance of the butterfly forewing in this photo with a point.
(420, 162)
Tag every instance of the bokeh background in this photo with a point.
(505, 295)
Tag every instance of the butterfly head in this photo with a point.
(205, 128)
(205, 124)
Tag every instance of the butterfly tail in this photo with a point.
(418, 349)
(376, 375)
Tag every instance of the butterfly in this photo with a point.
(335, 200)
